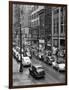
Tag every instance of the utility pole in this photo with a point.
(21, 66)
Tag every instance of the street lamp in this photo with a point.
(21, 66)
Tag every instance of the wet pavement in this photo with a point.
(24, 78)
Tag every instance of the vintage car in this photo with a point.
(49, 60)
(16, 54)
(59, 65)
(29, 54)
(26, 61)
(37, 71)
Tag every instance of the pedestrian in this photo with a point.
(21, 67)
(57, 53)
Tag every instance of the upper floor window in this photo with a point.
(62, 20)
(56, 11)
(55, 25)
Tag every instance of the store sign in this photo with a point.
(41, 41)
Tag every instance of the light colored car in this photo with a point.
(61, 66)
(14, 52)
(41, 56)
(54, 64)
(26, 61)
(18, 48)
(28, 54)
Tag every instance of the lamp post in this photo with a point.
(21, 66)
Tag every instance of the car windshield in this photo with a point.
(60, 62)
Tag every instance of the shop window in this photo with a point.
(62, 42)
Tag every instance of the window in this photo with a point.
(55, 42)
(56, 25)
(62, 42)
(61, 28)
(62, 10)
(62, 20)
(56, 11)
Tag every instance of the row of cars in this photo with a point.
(35, 70)
(58, 63)
(24, 56)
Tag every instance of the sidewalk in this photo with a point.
(20, 78)
(15, 66)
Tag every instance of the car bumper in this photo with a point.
(39, 76)
(61, 69)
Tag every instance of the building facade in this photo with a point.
(16, 24)
(35, 22)
(41, 19)
(58, 27)
(21, 22)
(24, 16)
(48, 27)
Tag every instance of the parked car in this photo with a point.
(55, 65)
(49, 60)
(26, 61)
(29, 55)
(59, 65)
(41, 56)
(37, 71)
(61, 53)
(18, 49)
(14, 52)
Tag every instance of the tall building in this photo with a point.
(20, 22)
(24, 16)
(48, 27)
(35, 22)
(41, 19)
(16, 24)
(58, 27)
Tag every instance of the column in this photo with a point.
(59, 27)
(52, 30)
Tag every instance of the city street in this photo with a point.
(24, 78)
(38, 31)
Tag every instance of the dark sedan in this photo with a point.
(49, 60)
(37, 71)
